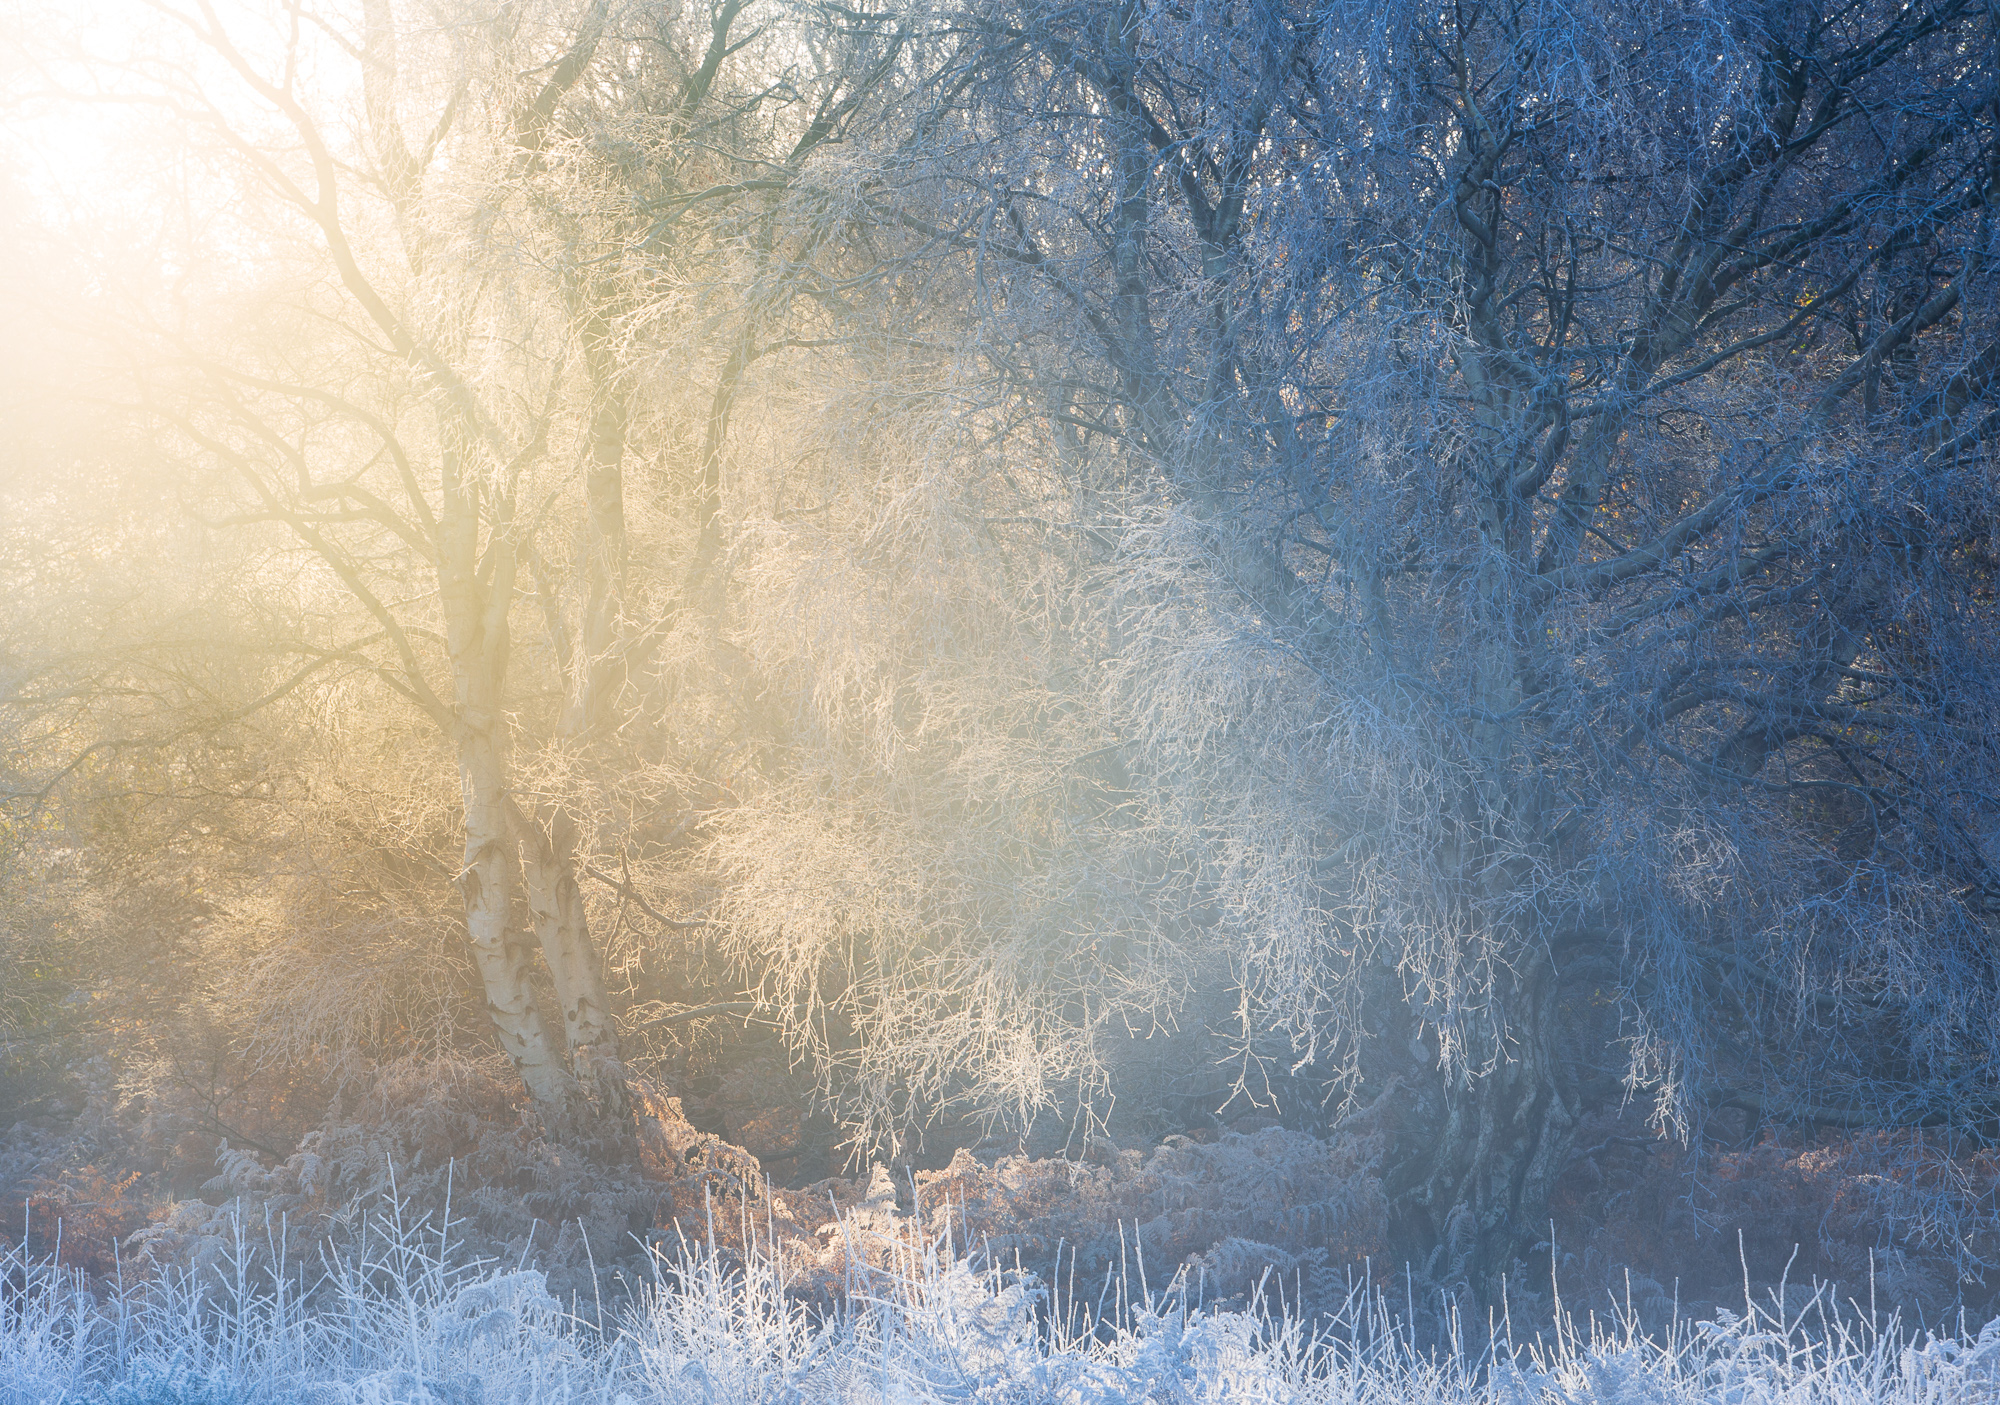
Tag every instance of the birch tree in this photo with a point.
(413, 436)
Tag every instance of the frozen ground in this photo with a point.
(398, 1325)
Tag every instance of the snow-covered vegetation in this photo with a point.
(405, 1321)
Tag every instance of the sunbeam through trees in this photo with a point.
(1365, 634)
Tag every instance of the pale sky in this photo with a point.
(71, 148)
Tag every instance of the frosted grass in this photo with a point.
(400, 1324)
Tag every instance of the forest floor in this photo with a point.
(400, 1324)
(1241, 1264)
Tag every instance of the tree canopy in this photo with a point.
(1086, 562)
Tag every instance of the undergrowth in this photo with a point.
(407, 1319)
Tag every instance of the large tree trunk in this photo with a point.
(549, 863)
(545, 834)
(477, 595)
(1478, 1150)
(503, 960)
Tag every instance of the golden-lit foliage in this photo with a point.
(1020, 569)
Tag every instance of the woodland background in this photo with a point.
(1288, 637)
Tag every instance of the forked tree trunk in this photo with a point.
(551, 847)
(504, 961)
(573, 1078)
(549, 863)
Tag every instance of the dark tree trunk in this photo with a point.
(1476, 1151)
